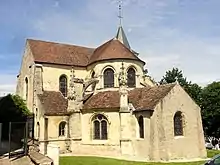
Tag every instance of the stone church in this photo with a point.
(100, 101)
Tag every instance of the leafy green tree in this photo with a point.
(13, 108)
(194, 90)
(210, 105)
(174, 75)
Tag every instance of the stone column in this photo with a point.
(125, 115)
(74, 106)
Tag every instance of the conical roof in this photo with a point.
(122, 37)
(112, 49)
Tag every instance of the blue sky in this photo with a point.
(166, 33)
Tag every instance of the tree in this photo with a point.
(194, 90)
(210, 106)
(172, 76)
(13, 108)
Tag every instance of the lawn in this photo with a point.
(84, 160)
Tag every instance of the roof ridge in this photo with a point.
(59, 43)
(168, 84)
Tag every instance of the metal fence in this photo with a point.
(15, 136)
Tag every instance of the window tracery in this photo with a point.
(62, 127)
(100, 127)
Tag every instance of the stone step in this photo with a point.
(5, 162)
(38, 158)
(24, 160)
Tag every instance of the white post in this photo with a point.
(53, 153)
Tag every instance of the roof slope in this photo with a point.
(56, 53)
(147, 98)
(107, 99)
(141, 98)
(112, 49)
(64, 54)
(53, 102)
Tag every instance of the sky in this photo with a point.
(167, 33)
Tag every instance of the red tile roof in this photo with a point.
(147, 98)
(113, 49)
(56, 53)
(53, 103)
(73, 55)
(107, 99)
(141, 98)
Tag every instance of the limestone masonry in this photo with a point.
(100, 101)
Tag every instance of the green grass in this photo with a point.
(211, 153)
(86, 160)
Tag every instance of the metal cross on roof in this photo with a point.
(120, 12)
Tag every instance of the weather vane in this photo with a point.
(120, 11)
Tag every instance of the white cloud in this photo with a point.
(160, 45)
(7, 84)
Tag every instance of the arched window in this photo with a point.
(141, 126)
(108, 78)
(131, 77)
(100, 127)
(63, 85)
(62, 128)
(26, 88)
(178, 124)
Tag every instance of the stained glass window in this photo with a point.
(62, 126)
(108, 78)
(178, 124)
(141, 126)
(63, 85)
(100, 127)
(131, 77)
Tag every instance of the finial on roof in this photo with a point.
(120, 12)
(120, 36)
(71, 91)
(122, 76)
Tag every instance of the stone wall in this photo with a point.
(99, 68)
(52, 73)
(166, 146)
(141, 145)
(26, 71)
